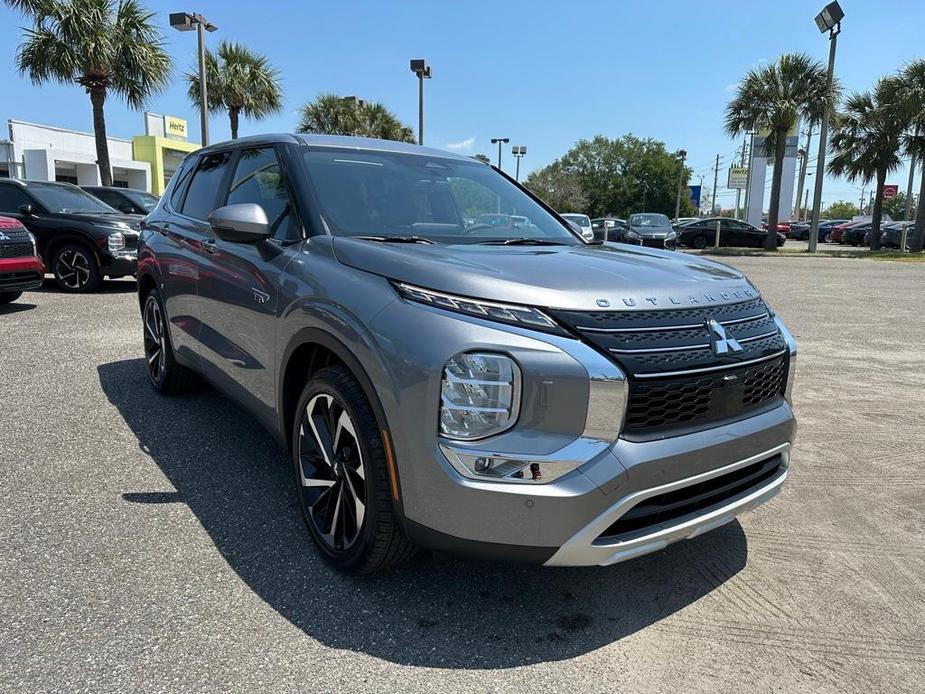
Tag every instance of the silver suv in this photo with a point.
(501, 390)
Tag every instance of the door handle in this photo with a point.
(209, 246)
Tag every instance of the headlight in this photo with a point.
(116, 242)
(524, 316)
(632, 236)
(480, 395)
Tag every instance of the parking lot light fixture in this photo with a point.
(829, 20)
(519, 151)
(420, 68)
(186, 21)
(500, 141)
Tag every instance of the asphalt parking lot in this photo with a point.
(154, 544)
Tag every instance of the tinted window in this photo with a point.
(179, 181)
(201, 198)
(63, 197)
(110, 198)
(258, 179)
(11, 198)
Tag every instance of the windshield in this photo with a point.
(62, 197)
(392, 194)
(144, 200)
(581, 220)
(649, 220)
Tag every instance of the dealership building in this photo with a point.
(47, 153)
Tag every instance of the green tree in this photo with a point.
(895, 207)
(865, 142)
(330, 114)
(774, 97)
(613, 177)
(103, 46)
(238, 81)
(482, 158)
(911, 103)
(840, 210)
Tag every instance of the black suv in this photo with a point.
(80, 238)
(125, 200)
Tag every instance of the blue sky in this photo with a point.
(544, 74)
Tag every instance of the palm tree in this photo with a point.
(330, 114)
(911, 99)
(239, 81)
(773, 98)
(102, 46)
(865, 142)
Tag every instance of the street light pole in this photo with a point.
(518, 151)
(420, 67)
(827, 20)
(677, 203)
(185, 21)
(500, 141)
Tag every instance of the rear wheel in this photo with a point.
(342, 477)
(76, 269)
(166, 375)
(827, 238)
(700, 242)
(8, 297)
(804, 236)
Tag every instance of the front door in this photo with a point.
(238, 286)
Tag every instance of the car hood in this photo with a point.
(567, 277)
(131, 221)
(652, 232)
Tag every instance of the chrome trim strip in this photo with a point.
(583, 549)
(659, 328)
(707, 369)
(651, 350)
(753, 338)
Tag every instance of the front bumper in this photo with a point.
(119, 264)
(570, 412)
(21, 274)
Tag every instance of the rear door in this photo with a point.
(238, 285)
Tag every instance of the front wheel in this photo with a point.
(76, 269)
(804, 236)
(827, 238)
(700, 242)
(342, 477)
(9, 297)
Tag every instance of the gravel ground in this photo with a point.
(154, 544)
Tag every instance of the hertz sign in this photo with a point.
(175, 127)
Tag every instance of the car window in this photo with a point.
(110, 198)
(179, 180)
(11, 198)
(202, 195)
(258, 179)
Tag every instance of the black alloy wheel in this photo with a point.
(75, 269)
(155, 352)
(700, 242)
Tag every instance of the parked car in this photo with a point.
(682, 220)
(836, 232)
(854, 234)
(79, 238)
(892, 234)
(518, 394)
(125, 200)
(732, 232)
(614, 230)
(582, 220)
(651, 227)
(21, 269)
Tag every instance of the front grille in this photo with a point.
(15, 250)
(662, 403)
(697, 498)
(15, 279)
(676, 380)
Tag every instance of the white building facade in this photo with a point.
(47, 153)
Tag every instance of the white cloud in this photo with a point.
(731, 87)
(462, 146)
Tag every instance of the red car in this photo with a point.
(835, 235)
(20, 267)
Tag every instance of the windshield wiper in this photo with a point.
(523, 241)
(395, 239)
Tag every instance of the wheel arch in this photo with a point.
(62, 238)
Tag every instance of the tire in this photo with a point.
(827, 238)
(359, 534)
(700, 242)
(75, 268)
(165, 374)
(9, 297)
(804, 236)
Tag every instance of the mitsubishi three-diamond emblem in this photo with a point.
(720, 341)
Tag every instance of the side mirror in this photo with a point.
(243, 223)
(25, 210)
(126, 209)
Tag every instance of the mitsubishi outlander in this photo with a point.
(514, 391)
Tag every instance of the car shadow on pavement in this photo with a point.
(15, 307)
(433, 612)
(123, 285)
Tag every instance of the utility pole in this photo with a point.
(908, 211)
(715, 181)
(861, 203)
(804, 153)
(677, 205)
(748, 176)
(739, 190)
